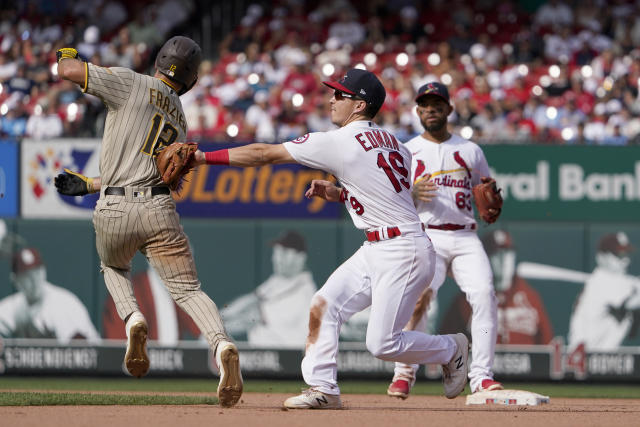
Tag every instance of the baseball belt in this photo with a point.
(119, 191)
(451, 227)
(389, 232)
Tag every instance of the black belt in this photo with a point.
(119, 191)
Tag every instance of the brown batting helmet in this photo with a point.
(179, 59)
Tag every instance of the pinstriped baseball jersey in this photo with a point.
(144, 115)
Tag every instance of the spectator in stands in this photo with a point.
(554, 13)
(45, 124)
(258, 120)
(347, 29)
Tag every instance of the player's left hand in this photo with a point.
(324, 189)
(424, 189)
(73, 184)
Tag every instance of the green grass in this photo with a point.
(26, 398)
(32, 390)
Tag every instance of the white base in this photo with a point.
(507, 397)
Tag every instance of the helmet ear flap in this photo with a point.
(187, 88)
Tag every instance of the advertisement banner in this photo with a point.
(215, 192)
(8, 178)
(567, 182)
(41, 161)
(513, 363)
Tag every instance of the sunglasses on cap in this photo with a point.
(340, 95)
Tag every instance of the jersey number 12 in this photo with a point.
(163, 138)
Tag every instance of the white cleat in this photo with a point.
(230, 386)
(313, 399)
(136, 358)
(454, 373)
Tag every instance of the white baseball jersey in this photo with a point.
(593, 321)
(455, 165)
(362, 149)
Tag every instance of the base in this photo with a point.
(506, 397)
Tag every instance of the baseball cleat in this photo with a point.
(454, 373)
(136, 359)
(489, 384)
(230, 385)
(314, 399)
(399, 388)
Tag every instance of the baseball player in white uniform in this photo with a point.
(135, 210)
(444, 169)
(603, 313)
(394, 265)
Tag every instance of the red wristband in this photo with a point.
(219, 157)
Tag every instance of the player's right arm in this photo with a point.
(71, 68)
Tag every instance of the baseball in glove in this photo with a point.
(175, 161)
(488, 200)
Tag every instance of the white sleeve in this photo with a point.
(317, 150)
(481, 167)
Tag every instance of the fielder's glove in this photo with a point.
(73, 184)
(66, 52)
(488, 200)
(175, 161)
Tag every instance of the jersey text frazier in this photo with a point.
(377, 138)
(164, 103)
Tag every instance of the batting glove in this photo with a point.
(73, 184)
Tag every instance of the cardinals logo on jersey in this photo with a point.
(420, 169)
(459, 160)
(301, 139)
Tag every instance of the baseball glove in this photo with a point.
(488, 200)
(175, 161)
(73, 184)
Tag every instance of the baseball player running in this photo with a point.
(444, 169)
(394, 265)
(135, 211)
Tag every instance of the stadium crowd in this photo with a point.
(519, 72)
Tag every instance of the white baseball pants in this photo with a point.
(389, 276)
(461, 253)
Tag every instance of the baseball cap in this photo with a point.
(616, 243)
(433, 88)
(496, 240)
(363, 84)
(25, 259)
(291, 239)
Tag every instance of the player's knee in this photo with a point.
(381, 347)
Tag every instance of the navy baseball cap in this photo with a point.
(363, 84)
(433, 88)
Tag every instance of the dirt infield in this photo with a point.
(265, 410)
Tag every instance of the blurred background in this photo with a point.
(549, 89)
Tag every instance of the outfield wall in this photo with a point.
(561, 204)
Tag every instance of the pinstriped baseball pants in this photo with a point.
(126, 224)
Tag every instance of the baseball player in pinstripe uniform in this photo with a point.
(444, 169)
(135, 210)
(391, 269)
